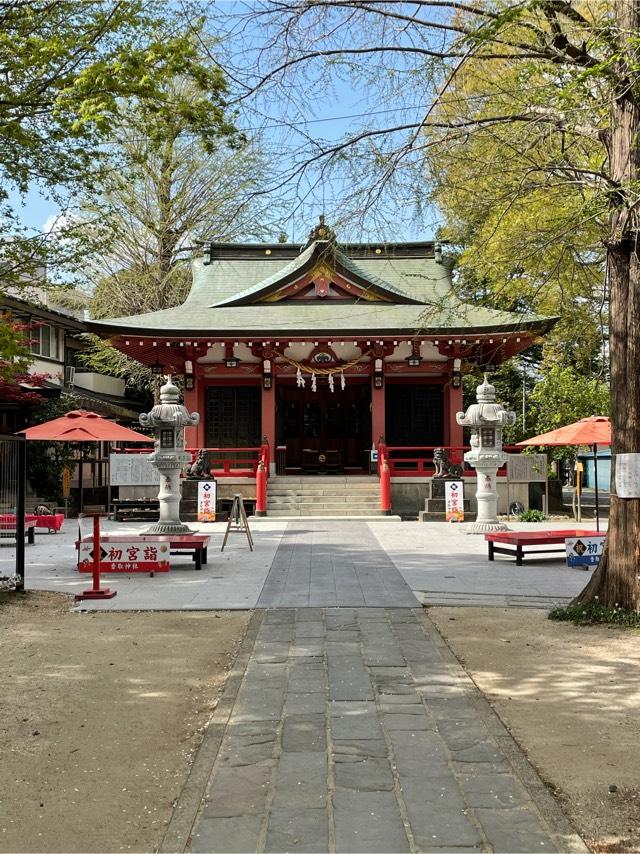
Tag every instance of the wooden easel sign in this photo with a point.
(237, 522)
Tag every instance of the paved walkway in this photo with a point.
(438, 562)
(356, 730)
(333, 563)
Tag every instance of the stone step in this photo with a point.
(276, 514)
(324, 478)
(324, 496)
(334, 508)
(324, 487)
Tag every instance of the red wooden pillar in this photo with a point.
(378, 428)
(192, 434)
(453, 404)
(268, 410)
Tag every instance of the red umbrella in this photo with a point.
(82, 426)
(594, 431)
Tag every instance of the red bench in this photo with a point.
(8, 529)
(53, 522)
(512, 543)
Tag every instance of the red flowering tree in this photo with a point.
(15, 358)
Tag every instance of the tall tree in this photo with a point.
(577, 64)
(68, 69)
(175, 188)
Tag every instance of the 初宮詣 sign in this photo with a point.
(207, 491)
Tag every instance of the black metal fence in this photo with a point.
(13, 476)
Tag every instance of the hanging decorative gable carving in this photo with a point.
(324, 283)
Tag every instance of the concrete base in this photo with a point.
(487, 527)
(170, 528)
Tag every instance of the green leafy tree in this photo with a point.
(69, 70)
(563, 396)
(572, 74)
(176, 187)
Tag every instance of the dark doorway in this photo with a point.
(414, 414)
(325, 431)
(233, 418)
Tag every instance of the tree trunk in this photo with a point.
(616, 581)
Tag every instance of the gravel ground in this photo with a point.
(571, 697)
(100, 715)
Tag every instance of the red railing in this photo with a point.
(234, 462)
(417, 460)
(226, 462)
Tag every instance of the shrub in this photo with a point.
(532, 516)
(592, 612)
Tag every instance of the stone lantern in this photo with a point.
(487, 420)
(169, 418)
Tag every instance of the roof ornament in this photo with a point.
(321, 232)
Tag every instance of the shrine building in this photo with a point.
(323, 351)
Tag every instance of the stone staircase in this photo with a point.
(323, 495)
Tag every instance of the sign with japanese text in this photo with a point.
(584, 551)
(126, 557)
(132, 470)
(454, 500)
(628, 475)
(207, 491)
(527, 468)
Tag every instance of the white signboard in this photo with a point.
(133, 556)
(132, 470)
(628, 475)
(454, 500)
(207, 492)
(527, 468)
(584, 551)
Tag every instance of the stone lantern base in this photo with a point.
(170, 528)
(486, 527)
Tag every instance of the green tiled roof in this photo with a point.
(305, 260)
(424, 302)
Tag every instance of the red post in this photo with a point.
(385, 487)
(261, 490)
(96, 592)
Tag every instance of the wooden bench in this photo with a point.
(8, 529)
(194, 544)
(512, 543)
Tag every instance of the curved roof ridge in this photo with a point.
(318, 246)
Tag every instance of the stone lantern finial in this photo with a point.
(486, 393)
(169, 393)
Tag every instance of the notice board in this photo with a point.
(132, 470)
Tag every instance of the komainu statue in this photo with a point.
(443, 465)
(199, 468)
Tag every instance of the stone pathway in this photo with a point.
(323, 564)
(356, 730)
